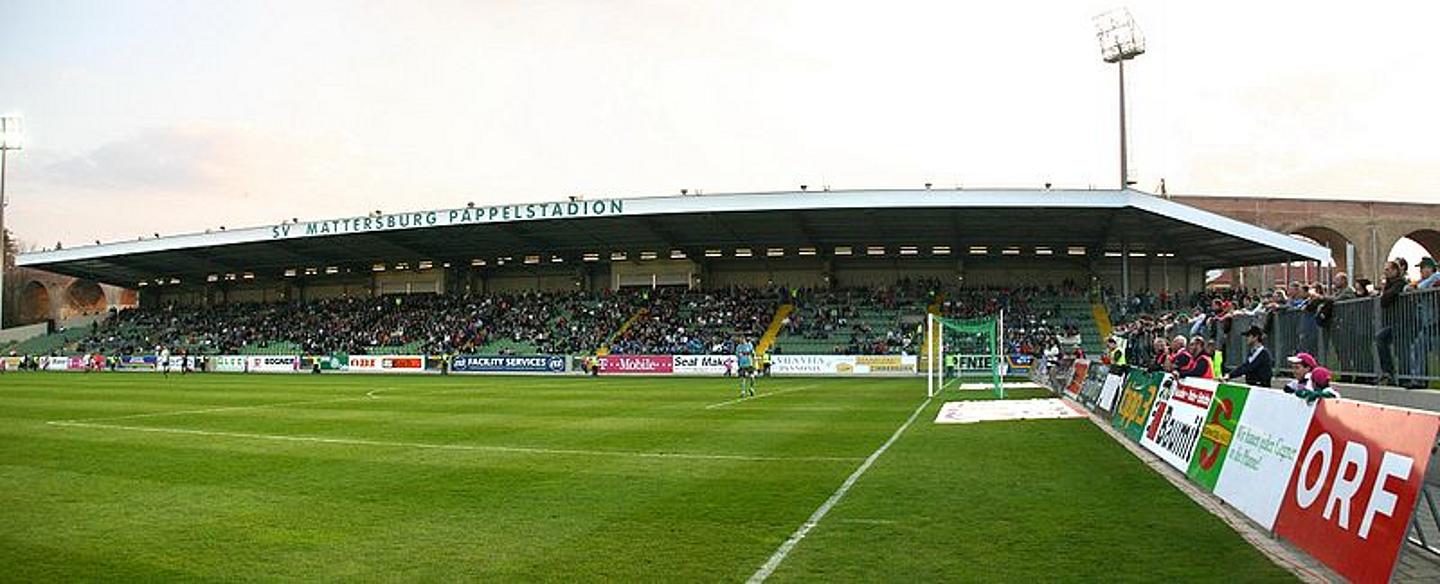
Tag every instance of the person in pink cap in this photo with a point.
(1302, 365)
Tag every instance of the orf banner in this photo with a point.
(706, 364)
(1077, 378)
(1354, 489)
(508, 364)
(1173, 430)
(386, 363)
(636, 364)
(1217, 434)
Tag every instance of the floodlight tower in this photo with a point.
(9, 140)
(1120, 41)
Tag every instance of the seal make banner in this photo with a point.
(1353, 492)
(1173, 429)
(706, 364)
(508, 364)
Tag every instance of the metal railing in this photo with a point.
(1358, 339)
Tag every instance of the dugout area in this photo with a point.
(429, 478)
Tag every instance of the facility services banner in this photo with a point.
(706, 364)
(1354, 490)
(385, 363)
(508, 364)
(636, 364)
(137, 362)
(1173, 429)
(1217, 433)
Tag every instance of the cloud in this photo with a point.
(172, 158)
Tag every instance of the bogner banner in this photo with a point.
(385, 363)
(636, 364)
(508, 364)
(705, 364)
(272, 364)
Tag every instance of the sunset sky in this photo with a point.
(170, 117)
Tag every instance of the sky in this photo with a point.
(171, 117)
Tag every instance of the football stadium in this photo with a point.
(924, 384)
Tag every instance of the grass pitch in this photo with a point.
(229, 477)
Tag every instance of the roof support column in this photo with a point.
(1125, 271)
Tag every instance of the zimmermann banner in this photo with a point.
(508, 364)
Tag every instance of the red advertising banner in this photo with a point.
(1354, 486)
(1077, 378)
(636, 364)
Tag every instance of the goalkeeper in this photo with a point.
(745, 360)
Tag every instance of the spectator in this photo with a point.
(1428, 320)
(1180, 359)
(1389, 316)
(1343, 291)
(1301, 366)
(1162, 358)
(1198, 364)
(1259, 364)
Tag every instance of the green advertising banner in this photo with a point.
(1135, 401)
(1218, 432)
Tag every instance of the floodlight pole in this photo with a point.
(1124, 157)
(9, 126)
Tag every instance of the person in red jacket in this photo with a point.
(1199, 364)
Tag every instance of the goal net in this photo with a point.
(964, 354)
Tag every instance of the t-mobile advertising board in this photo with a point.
(636, 364)
(706, 364)
(508, 364)
(385, 364)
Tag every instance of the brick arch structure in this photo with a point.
(33, 296)
(1428, 239)
(1372, 227)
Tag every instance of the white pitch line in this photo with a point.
(461, 447)
(785, 548)
(757, 396)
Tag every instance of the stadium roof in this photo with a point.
(919, 220)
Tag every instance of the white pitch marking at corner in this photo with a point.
(757, 396)
(785, 548)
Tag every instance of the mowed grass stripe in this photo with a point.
(91, 503)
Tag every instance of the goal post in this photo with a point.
(964, 354)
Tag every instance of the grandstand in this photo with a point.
(854, 271)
